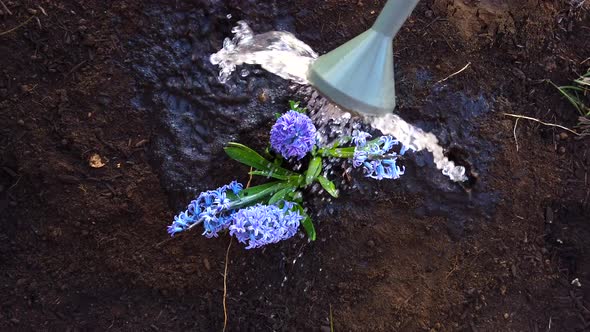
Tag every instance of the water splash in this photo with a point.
(278, 52)
(417, 139)
(282, 54)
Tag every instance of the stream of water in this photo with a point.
(282, 54)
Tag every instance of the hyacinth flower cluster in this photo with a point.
(273, 211)
(377, 157)
(293, 135)
(212, 208)
(260, 225)
(255, 226)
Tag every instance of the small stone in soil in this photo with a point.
(563, 136)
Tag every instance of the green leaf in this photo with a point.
(249, 157)
(294, 179)
(270, 174)
(280, 195)
(306, 222)
(340, 141)
(294, 105)
(256, 189)
(328, 185)
(295, 196)
(309, 228)
(314, 169)
(345, 153)
(259, 195)
(278, 161)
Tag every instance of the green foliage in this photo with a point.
(294, 106)
(287, 184)
(578, 94)
(249, 157)
(329, 186)
(314, 169)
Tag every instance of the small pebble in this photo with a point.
(506, 315)
(21, 122)
(563, 136)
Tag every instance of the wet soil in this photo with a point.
(85, 248)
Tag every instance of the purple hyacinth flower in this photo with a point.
(378, 159)
(235, 187)
(212, 208)
(359, 138)
(359, 158)
(260, 225)
(293, 135)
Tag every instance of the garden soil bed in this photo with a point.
(85, 248)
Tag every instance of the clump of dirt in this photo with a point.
(480, 18)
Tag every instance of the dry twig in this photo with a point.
(541, 122)
(5, 8)
(225, 285)
(455, 73)
(514, 132)
(226, 263)
(16, 27)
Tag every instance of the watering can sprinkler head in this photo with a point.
(359, 74)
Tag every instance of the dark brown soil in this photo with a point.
(85, 248)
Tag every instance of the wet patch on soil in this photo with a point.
(196, 114)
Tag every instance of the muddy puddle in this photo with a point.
(197, 115)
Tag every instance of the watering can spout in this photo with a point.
(359, 74)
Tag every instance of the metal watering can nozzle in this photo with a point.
(358, 75)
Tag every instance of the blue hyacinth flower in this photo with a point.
(260, 225)
(293, 135)
(377, 157)
(212, 208)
